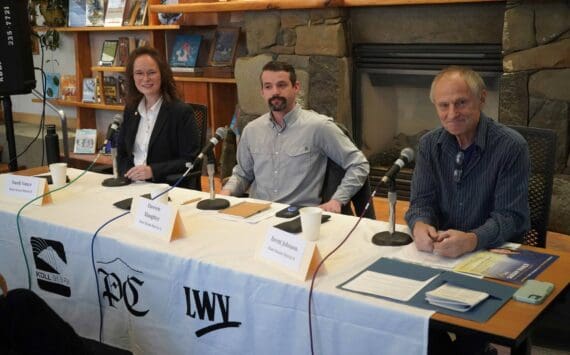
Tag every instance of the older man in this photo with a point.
(470, 184)
(282, 155)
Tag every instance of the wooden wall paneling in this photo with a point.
(157, 40)
(85, 117)
(223, 100)
(196, 93)
(152, 15)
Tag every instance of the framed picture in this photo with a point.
(52, 85)
(185, 51)
(68, 87)
(223, 49)
(108, 52)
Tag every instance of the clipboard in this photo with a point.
(246, 209)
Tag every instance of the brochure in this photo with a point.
(85, 140)
(455, 298)
(511, 265)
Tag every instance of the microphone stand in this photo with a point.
(391, 237)
(116, 180)
(212, 203)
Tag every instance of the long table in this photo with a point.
(207, 293)
(202, 294)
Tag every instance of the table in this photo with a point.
(203, 294)
(207, 294)
(512, 324)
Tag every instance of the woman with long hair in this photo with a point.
(159, 133)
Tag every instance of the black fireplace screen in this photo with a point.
(391, 107)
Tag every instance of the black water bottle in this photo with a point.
(52, 144)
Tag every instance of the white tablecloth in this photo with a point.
(202, 294)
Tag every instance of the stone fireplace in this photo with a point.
(325, 46)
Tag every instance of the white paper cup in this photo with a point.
(311, 222)
(157, 191)
(58, 174)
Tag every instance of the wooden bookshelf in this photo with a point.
(203, 79)
(192, 6)
(89, 105)
(100, 68)
(118, 28)
(218, 93)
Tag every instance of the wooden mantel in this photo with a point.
(259, 5)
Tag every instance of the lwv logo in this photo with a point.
(203, 305)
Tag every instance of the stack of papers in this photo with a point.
(455, 298)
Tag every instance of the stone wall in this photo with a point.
(314, 42)
(535, 88)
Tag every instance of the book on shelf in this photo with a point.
(142, 42)
(108, 52)
(110, 91)
(76, 17)
(89, 90)
(98, 90)
(68, 87)
(52, 85)
(121, 88)
(136, 42)
(94, 12)
(187, 70)
(141, 18)
(114, 13)
(455, 298)
(185, 52)
(132, 9)
(85, 141)
(122, 52)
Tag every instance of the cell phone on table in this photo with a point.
(288, 212)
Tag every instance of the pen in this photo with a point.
(191, 200)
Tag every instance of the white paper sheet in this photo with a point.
(375, 283)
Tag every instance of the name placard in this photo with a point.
(160, 219)
(289, 253)
(24, 188)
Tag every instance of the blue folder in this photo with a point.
(498, 294)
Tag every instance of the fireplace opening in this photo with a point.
(391, 107)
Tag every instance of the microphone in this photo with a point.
(221, 133)
(116, 180)
(211, 169)
(113, 127)
(391, 237)
(212, 203)
(406, 156)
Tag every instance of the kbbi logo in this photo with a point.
(51, 266)
(119, 285)
(203, 304)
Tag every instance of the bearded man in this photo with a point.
(282, 155)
